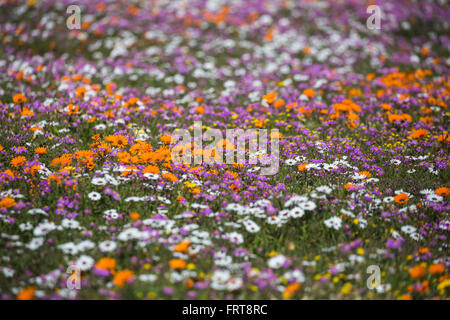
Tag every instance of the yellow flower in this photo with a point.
(191, 266)
(272, 254)
(346, 288)
(190, 184)
(444, 284)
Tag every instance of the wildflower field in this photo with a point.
(92, 205)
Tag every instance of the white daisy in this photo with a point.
(85, 245)
(151, 176)
(251, 226)
(416, 236)
(234, 237)
(35, 243)
(324, 189)
(147, 277)
(295, 200)
(234, 284)
(94, 196)
(25, 226)
(107, 246)
(347, 213)
(426, 191)
(408, 229)
(37, 211)
(276, 262)
(69, 248)
(355, 258)
(221, 276)
(129, 234)
(222, 259)
(434, 197)
(44, 228)
(98, 181)
(308, 206)
(70, 224)
(273, 220)
(296, 212)
(111, 213)
(85, 262)
(444, 225)
(396, 234)
(100, 126)
(316, 195)
(290, 162)
(334, 222)
(295, 275)
(7, 272)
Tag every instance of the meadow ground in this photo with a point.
(93, 207)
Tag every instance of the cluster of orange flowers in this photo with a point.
(419, 272)
(121, 277)
(106, 263)
(86, 157)
(62, 161)
(401, 117)
(419, 134)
